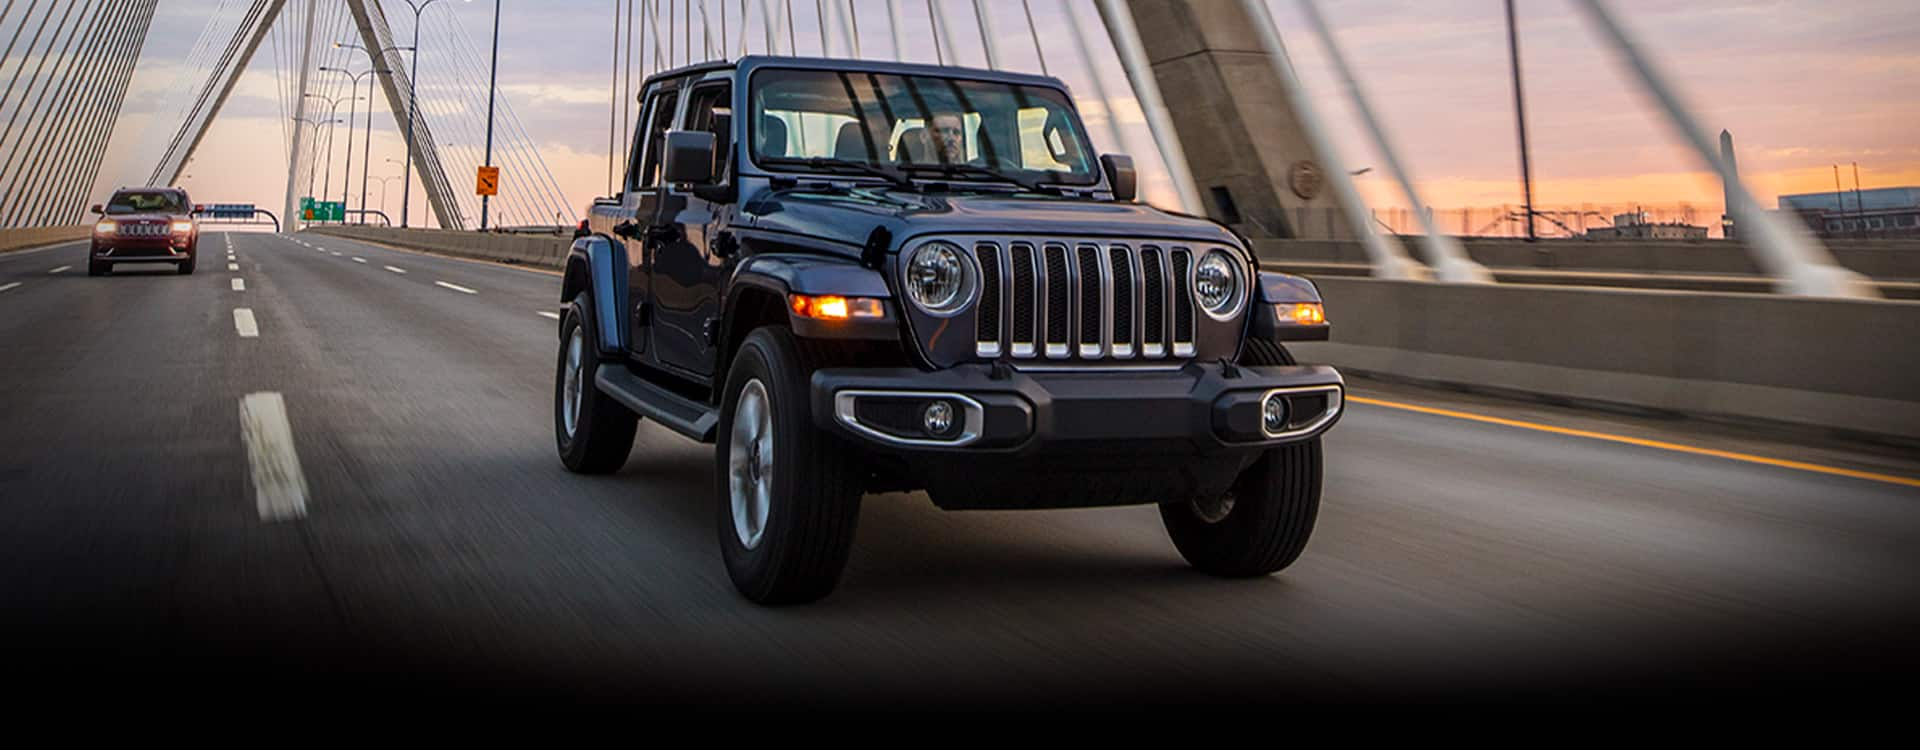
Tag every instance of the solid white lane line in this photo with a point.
(546, 314)
(455, 287)
(279, 487)
(396, 270)
(239, 285)
(59, 270)
(359, 260)
(233, 266)
(244, 323)
(4, 287)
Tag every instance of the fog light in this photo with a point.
(938, 418)
(1273, 414)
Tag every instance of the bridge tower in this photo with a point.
(1252, 160)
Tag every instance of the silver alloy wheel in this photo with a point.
(570, 389)
(750, 463)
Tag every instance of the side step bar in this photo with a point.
(678, 413)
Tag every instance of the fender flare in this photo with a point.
(781, 274)
(1274, 289)
(597, 265)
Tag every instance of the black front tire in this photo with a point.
(186, 269)
(1262, 525)
(98, 268)
(603, 431)
(813, 479)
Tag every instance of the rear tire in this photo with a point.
(1262, 524)
(789, 505)
(593, 432)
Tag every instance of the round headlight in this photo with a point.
(940, 278)
(1216, 283)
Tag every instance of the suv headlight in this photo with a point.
(1218, 285)
(941, 278)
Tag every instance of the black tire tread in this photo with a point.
(607, 427)
(814, 547)
(1277, 504)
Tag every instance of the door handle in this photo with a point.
(663, 233)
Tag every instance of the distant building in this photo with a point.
(1880, 212)
(1636, 226)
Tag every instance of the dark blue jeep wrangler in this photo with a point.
(853, 277)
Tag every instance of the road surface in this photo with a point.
(353, 485)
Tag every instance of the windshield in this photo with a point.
(146, 202)
(922, 125)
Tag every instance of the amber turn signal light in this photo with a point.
(835, 307)
(1301, 314)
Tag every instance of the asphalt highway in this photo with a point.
(363, 494)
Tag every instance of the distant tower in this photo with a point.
(1727, 181)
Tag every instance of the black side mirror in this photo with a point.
(689, 157)
(99, 209)
(1120, 174)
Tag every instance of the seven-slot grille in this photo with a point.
(1091, 299)
(145, 230)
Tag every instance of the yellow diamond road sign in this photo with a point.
(489, 181)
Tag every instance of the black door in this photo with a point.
(686, 272)
(643, 203)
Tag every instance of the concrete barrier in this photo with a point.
(1850, 366)
(537, 250)
(1877, 259)
(22, 239)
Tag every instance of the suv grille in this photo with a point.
(1087, 299)
(144, 230)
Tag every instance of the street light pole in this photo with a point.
(413, 98)
(326, 183)
(346, 179)
(367, 142)
(493, 82)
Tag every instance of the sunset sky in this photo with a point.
(1802, 85)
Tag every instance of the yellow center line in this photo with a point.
(1660, 445)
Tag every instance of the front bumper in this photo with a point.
(1207, 408)
(143, 250)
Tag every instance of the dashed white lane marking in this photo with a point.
(239, 285)
(244, 323)
(359, 260)
(456, 287)
(395, 270)
(59, 270)
(279, 487)
(546, 314)
(4, 287)
(233, 266)
(336, 255)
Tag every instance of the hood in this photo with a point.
(851, 216)
(144, 217)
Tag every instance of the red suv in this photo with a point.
(145, 225)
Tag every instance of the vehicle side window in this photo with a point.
(710, 108)
(659, 121)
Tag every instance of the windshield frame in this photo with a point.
(181, 205)
(750, 161)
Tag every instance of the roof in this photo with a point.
(752, 62)
(1876, 199)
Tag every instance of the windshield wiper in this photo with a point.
(976, 170)
(894, 176)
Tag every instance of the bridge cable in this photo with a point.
(73, 185)
(104, 122)
(26, 160)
